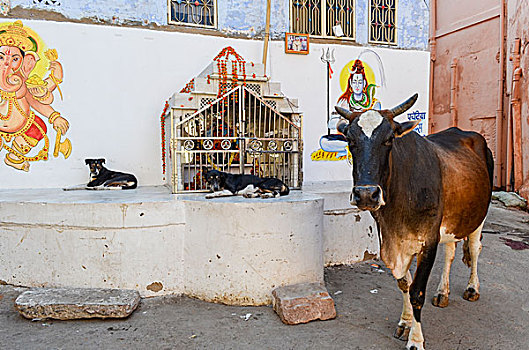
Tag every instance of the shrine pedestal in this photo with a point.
(231, 250)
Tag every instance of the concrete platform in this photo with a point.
(231, 250)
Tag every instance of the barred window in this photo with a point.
(47, 2)
(327, 18)
(202, 13)
(382, 21)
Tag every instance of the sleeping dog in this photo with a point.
(103, 179)
(250, 186)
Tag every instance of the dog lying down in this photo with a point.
(103, 179)
(250, 186)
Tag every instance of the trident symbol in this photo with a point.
(328, 58)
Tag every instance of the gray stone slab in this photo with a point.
(510, 199)
(77, 303)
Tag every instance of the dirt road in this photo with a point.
(367, 301)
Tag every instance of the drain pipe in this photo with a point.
(515, 90)
(433, 53)
(267, 34)
(499, 167)
(453, 92)
(517, 129)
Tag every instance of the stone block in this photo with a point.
(302, 303)
(510, 199)
(76, 303)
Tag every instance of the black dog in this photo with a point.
(102, 178)
(250, 186)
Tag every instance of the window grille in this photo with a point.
(206, 101)
(382, 22)
(255, 88)
(272, 104)
(47, 2)
(318, 17)
(202, 13)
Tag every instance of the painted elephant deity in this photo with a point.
(22, 94)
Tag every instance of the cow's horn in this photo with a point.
(344, 112)
(403, 107)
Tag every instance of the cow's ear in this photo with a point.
(87, 161)
(342, 125)
(102, 160)
(406, 127)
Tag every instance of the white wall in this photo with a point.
(305, 77)
(116, 81)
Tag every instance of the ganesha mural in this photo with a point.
(24, 61)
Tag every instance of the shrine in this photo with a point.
(233, 118)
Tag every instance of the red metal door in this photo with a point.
(467, 70)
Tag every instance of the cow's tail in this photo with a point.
(490, 167)
(466, 254)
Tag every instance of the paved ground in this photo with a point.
(366, 320)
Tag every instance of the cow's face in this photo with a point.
(370, 136)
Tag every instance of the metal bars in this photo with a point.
(237, 133)
(382, 22)
(201, 13)
(340, 12)
(317, 18)
(306, 16)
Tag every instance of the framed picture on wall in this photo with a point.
(297, 43)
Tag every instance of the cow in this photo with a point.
(421, 191)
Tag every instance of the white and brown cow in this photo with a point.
(421, 191)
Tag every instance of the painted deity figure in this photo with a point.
(21, 130)
(359, 94)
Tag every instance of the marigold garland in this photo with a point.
(162, 124)
(189, 87)
(237, 65)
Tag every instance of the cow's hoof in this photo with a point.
(471, 294)
(415, 346)
(402, 332)
(440, 300)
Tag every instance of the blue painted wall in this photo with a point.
(241, 17)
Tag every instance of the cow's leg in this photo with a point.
(474, 247)
(425, 261)
(406, 317)
(443, 290)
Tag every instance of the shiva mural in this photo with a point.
(24, 60)
(358, 83)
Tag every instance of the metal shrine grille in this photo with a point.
(382, 21)
(201, 13)
(238, 133)
(318, 17)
